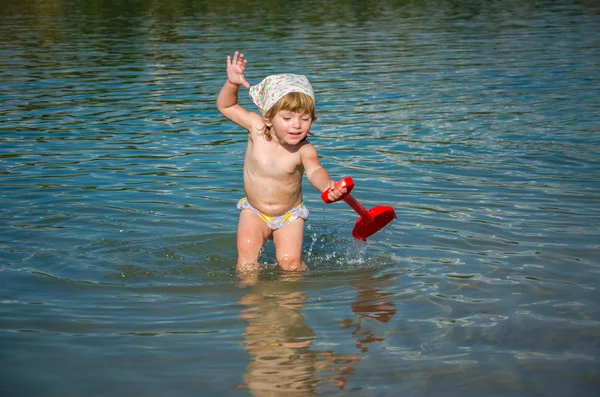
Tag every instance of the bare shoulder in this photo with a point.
(307, 149)
(308, 155)
(309, 158)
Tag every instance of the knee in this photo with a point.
(250, 243)
(291, 263)
(244, 266)
(249, 252)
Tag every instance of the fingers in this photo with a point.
(336, 194)
(238, 59)
(236, 65)
(333, 196)
(242, 61)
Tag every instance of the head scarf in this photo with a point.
(273, 88)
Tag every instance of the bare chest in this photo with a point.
(271, 159)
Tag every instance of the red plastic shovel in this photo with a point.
(370, 221)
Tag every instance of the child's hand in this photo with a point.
(236, 68)
(335, 194)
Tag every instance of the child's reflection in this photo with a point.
(279, 341)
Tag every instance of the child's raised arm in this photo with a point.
(227, 101)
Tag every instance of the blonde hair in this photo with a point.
(292, 102)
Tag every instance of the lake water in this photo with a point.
(477, 121)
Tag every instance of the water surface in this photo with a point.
(477, 122)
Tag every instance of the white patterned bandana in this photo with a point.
(273, 88)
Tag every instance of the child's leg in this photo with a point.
(251, 235)
(288, 245)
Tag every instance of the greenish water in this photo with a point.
(477, 121)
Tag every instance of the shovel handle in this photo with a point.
(346, 182)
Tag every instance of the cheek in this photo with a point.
(281, 123)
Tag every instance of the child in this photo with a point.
(277, 156)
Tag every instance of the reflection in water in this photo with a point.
(374, 304)
(279, 341)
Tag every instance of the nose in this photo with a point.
(298, 123)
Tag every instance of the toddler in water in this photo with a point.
(277, 156)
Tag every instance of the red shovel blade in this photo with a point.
(380, 217)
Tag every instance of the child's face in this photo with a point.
(289, 127)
